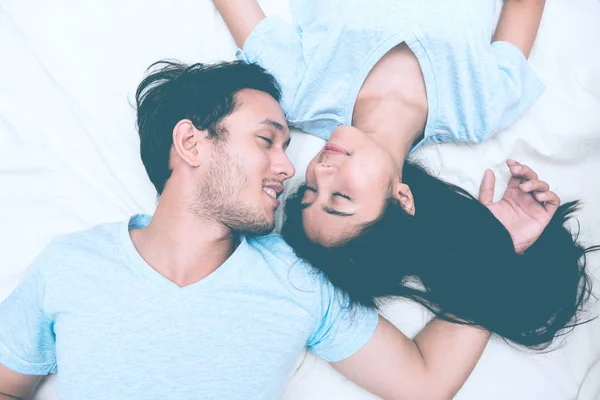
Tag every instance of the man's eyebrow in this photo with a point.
(274, 124)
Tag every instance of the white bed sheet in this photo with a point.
(69, 153)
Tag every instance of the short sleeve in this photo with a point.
(27, 342)
(518, 84)
(343, 329)
(277, 47)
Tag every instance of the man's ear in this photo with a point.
(189, 143)
(404, 195)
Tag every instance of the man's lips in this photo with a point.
(273, 190)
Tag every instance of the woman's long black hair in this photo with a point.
(464, 259)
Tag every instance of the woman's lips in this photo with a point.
(331, 148)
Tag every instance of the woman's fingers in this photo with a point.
(486, 190)
(549, 200)
(521, 171)
(535, 185)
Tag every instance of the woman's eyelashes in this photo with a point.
(314, 190)
(342, 195)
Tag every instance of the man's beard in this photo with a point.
(216, 197)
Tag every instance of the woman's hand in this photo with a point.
(527, 206)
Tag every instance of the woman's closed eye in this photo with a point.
(305, 204)
(338, 194)
(342, 195)
(303, 189)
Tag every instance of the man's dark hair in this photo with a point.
(463, 259)
(203, 93)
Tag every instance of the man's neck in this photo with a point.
(183, 247)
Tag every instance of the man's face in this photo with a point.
(248, 166)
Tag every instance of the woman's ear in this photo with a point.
(404, 195)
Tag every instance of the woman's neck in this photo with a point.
(393, 124)
(392, 102)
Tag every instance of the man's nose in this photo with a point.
(284, 167)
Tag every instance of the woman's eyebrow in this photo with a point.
(333, 211)
(305, 205)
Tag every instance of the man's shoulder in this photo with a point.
(76, 249)
(275, 245)
(282, 260)
(90, 237)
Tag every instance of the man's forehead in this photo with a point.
(261, 107)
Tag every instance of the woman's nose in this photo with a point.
(324, 168)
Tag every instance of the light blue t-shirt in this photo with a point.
(474, 88)
(93, 310)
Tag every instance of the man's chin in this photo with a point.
(257, 229)
(268, 228)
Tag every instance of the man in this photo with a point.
(192, 303)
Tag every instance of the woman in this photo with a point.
(380, 79)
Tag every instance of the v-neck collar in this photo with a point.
(155, 278)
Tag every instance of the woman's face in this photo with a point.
(347, 185)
